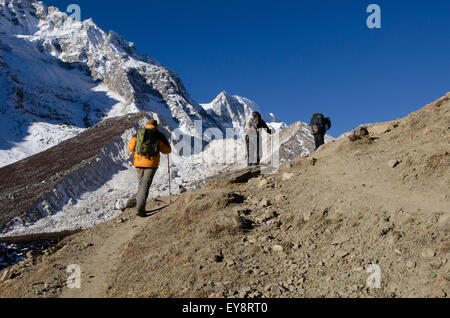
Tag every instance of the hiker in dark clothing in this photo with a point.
(147, 163)
(319, 127)
(252, 127)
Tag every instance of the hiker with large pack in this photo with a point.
(146, 147)
(252, 129)
(319, 127)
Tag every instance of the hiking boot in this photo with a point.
(141, 214)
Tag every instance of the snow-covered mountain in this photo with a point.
(231, 111)
(60, 76)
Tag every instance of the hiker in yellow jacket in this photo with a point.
(146, 165)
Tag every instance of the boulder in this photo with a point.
(358, 133)
(239, 176)
(441, 101)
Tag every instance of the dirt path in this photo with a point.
(104, 258)
(105, 254)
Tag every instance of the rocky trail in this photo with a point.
(102, 256)
(319, 226)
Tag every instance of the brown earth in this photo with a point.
(312, 229)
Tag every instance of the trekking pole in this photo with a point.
(170, 187)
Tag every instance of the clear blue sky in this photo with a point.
(294, 57)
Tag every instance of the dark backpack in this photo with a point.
(317, 123)
(147, 145)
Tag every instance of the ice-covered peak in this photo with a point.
(233, 110)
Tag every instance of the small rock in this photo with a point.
(6, 275)
(344, 275)
(431, 276)
(410, 264)
(354, 288)
(219, 258)
(244, 292)
(280, 197)
(277, 248)
(312, 161)
(393, 163)
(436, 264)
(428, 253)
(247, 272)
(264, 203)
(306, 216)
(262, 183)
(241, 210)
(441, 101)
(269, 215)
(181, 189)
(275, 290)
(252, 240)
(242, 223)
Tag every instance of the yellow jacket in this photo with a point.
(149, 162)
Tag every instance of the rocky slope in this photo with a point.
(312, 229)
(45, 182)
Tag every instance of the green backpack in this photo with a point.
(146, 143)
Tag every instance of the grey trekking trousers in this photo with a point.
(252, 141)
(145, 176)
